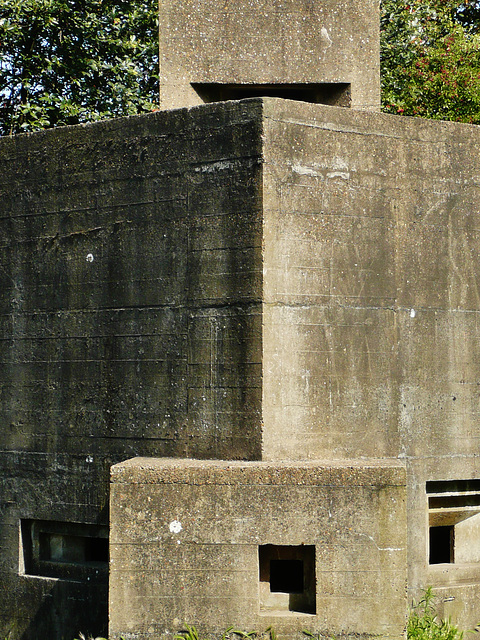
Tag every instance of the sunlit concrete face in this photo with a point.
(296, 546)
(316, 51)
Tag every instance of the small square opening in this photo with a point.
(287, 578)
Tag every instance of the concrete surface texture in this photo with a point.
(131, 325)
(370, 285)
(323, 51)
(264, 280)
(202, 541)
(370, 341)
(369, 263)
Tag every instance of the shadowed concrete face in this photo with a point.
(120, 329)
(322, 51)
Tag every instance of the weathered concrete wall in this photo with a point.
(271, 43)
(130, 289)
(165, 293)
(185, 539)
(371, 308)
(370, 292)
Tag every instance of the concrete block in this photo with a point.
(325, 52)
(217, 544)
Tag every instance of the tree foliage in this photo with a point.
(431, 59)
(72, 61)
(424, 624)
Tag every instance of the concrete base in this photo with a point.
(297, 546)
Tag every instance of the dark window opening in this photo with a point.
(66, 550)
(453, 486)
(287, 578)
(55, 547)
(337, 94)
(97, 550)
(449, 501)
(441, 545)
(454, 521)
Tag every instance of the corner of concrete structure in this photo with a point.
(352, 266)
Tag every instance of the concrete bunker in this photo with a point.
(278, 215)
(257, 267)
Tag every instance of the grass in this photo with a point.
(81, 636)
(191, 633)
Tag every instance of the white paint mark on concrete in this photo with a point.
(338, 163)
(175, 526)
(326, 37)
(345, 175)
(305, 171)
(89, 257)
(413, 313)
(365, 535)
(215, 166)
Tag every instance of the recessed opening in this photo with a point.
(287, 578)
(55, 547)
(65, 550)
(454, 521)
(453, 486)
(337, 94)
(441, 545)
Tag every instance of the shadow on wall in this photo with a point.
(65, 563)
(57, 619)
(62, 585)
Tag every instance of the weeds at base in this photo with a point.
(422, 624)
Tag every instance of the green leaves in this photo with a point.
(423, 623)
(72, 61)
(431, 59)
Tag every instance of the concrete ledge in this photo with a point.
(185, 470)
